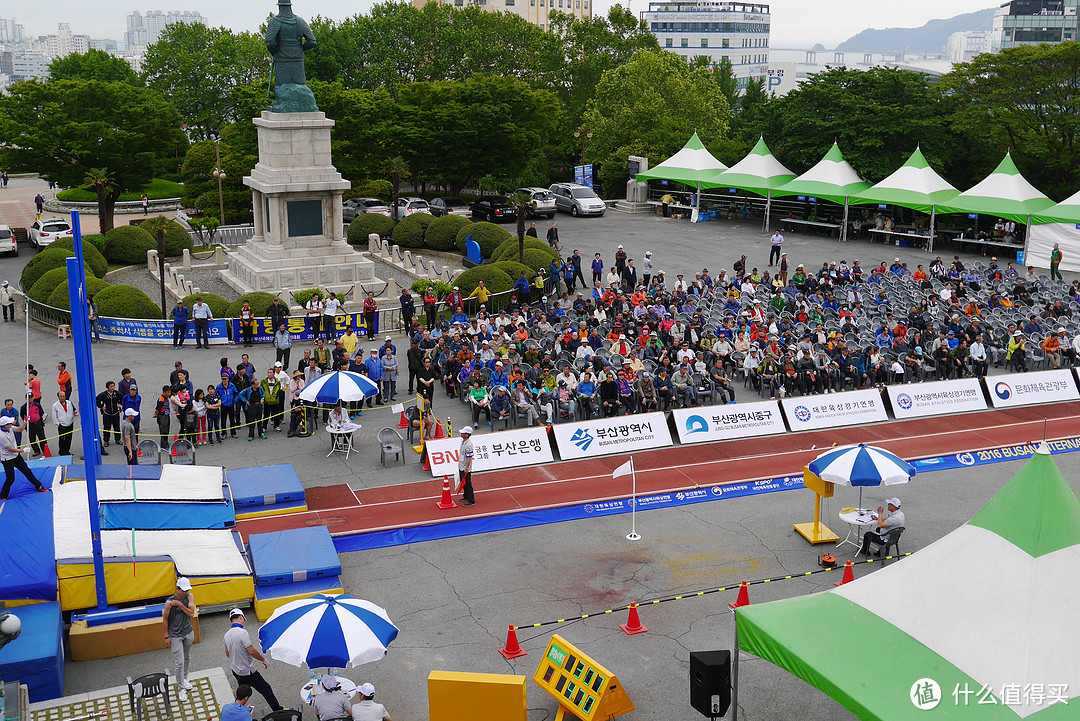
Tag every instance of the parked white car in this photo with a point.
(408, 206)
(577, 199)
(43, 232)
(542, 203)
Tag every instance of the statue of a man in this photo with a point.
(287, 37)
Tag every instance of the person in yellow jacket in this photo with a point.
(1016, 352)
(481, 293)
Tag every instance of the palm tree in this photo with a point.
(521, 201)
(397, 168)
(102, 182)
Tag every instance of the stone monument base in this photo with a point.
(262, 267)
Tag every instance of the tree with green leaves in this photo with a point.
(237, 160)
(65, 129)
(103, 185)
(650, 107)
(522, 202)
(93, 65)
(397, 168)
(197, 67)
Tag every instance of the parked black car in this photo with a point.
(494, 208)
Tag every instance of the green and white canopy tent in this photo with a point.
(1005, 193)
(1060, 225)
(832, 178)
(914, 185)
(692, 165)
(992, 605)
(759, 172)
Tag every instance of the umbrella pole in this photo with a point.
(735, 676)
(860, 497)
(768, 208)
(930, 240)
(1027, 236)
(843, 229)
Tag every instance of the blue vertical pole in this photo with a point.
(84, 374)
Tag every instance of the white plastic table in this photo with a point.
(313, 688)
(857, 520)
(341, 438)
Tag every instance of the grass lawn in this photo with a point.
(158, 189)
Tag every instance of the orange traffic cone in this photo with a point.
(513, 649)
(440, 432)
(447, 502)
(633, 623)
(744, 596)
(403, 422)
(849, 574)
(47, 453)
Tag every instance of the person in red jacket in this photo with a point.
(371, 310)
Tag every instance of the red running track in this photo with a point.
(666, 470)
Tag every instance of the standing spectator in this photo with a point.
(331, 309)
(777, 242)
(367, 709)
(33, 384)
(92, 316)
(646, 270)
(1055, 263)
(282, 344)
(425, 381)
(64, 378)
(39, 203)
(431, 304)
(629, 276)
(126, 381)
(314, 310)
(251, 398)
(242, 655)
(375, 373)
(11, 456)
(131, 399)
(620, 260)
(390, 370)
(408, 308)
(162, 409)
(179, 318)
(415, 360)
(10, 411)
(4, 179)
(371, 311)
(531, 232)
(277, 313)
(553, 237)
(64, 413)
(176, 621)
(145, 204)
(108, 402)
(7, 302)
(273, 395)
(203, 315)
(783, 268)
(465, 463)
(130, 435)
(230, 416)
(35, 417)
(213, 414)
(247, 323)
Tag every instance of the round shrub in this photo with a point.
(442, 233)
(43, 288)
(60, 299)
(364, 225)
(91, 254)
(98, 241)
(259, 301)
(487, 235)
(495, 279)
(42, 263)
(218, 305)
(128, 244)
(301, 297)
(124, 301)
(441, 289)
(536, 259)
(512, 268)
(409, 233)
(177, 239)
(508, 250)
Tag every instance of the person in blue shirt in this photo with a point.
(132, 400)
(251, 399)
(883, 336)
(597, 269)
(459, 317)
(239, 710)
(227, 392)
(522, 287)
(586, 390)
(374, 373)
(499, 377)
(180, 316)
(10, 411)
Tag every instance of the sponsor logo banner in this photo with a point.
(604, 436)
(931, 399)
(850, 408)
(157, 331)
(1024, 389)
(724, 422)
(491, 451)
(300, 328)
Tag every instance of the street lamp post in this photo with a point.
(219, 174)
(585, 135)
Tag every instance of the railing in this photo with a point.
(128, 207)
(47, 315)
(233, 236)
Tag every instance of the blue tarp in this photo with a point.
(115, 472)
(315, 585)
(150, 516)
(36, 657)
(265, 485)
(27, 568)
(297, 554)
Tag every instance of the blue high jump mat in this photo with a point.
(296, 554)
(265, 485)
(27, 565)
(36, 657)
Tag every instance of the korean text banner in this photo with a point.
(938, 398)
(157, 331)
(604, 436)
(850, 408)
(1025, 389)
(491, 451)
(300, 328)
(722, 423)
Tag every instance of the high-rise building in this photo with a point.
(11, 32)
(1030, 22)
(535, 11)
(107, 45)
(64, 42)
(738, 31)
(26, 64)
(964, 46)
(143, 30)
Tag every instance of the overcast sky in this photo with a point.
(795, 23)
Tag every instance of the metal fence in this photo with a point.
(47, 315)
(128, 207)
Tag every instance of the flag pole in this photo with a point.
(633, 535)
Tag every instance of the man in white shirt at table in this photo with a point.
(886, 524)
(331, 703)
(367, 709)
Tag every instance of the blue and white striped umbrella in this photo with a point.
(861, 465)
(332, 631)
(330, 388)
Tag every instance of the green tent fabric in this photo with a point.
(832, 178)
(914, 185)
(992, 606)
(1067, 211)
(1005, 193)
(692, 165)
(759, 172)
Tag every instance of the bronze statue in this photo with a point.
(287, 38)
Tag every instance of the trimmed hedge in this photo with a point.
(487, 235)
(508, 250)
(98, 241)
(442, 233)
(259, 301)
(124, 301)
(218, 305)
(409, 233)
(59, 297)
(495, 279)
(128, 244)
(157, 189)
(91, 254)
(364, 225)
(177, 239)
(536, 259)
(441, 289)
(513, 268)
(301, 297)
(44, 286)
(48, 259)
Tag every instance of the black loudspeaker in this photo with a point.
(710, 682)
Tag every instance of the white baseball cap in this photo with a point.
(236, 612)
(6, 420)
(466, 431)
(894, 502)
(183, 584)
(131, 412)
(366, 689)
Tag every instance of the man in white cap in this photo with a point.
(367, 709)
(646, 269)
(128, 434)
(7, 302)
(11, 455)
(465, 462)
(331, 702)
(242, 656)
(886, 524)
(179, 634)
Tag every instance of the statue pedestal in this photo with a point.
(299, 239)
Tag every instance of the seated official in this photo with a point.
(367, 709)
(882, 535)
(239, 710)
(331, 703)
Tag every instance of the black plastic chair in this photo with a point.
(151, 685)
(285, 714)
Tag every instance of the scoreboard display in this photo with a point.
(582, 686)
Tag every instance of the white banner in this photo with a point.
(938, 398)
(1025, 389)
(491, 451)
(722, 423)
(850, 408)
(604, 436)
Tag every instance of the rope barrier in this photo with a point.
(706, 592)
